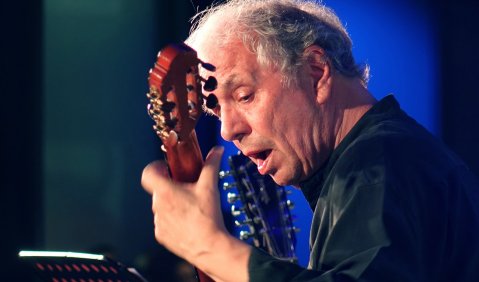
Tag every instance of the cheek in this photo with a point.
(262, 123)
(289, 172)
(292, 143)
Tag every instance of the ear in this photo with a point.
(319, 67)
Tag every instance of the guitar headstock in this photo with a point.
(175, 94)
(264, 209)
(176, 104)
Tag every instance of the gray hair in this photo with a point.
(278, 32)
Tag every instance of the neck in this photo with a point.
(352, 101)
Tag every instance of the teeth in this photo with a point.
(260, 164)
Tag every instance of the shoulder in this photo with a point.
(396, 150)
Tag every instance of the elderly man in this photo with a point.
(390, 202)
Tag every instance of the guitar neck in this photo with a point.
(185, 160)
(185, 163)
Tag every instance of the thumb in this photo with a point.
(154, 174)
(211, 167)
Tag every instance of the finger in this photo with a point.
(154, 175)
(171, 140)
(211, 166)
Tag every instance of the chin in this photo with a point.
(283, 180)
(279, 182)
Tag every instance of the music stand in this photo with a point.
(78, 267)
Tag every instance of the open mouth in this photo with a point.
(261, 160)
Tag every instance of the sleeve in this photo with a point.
(263, 267)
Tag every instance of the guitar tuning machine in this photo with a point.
(210, 84)
(228, 185)
(295, 229)
(249, 194)
(243, 223)
(248, 221)
(253, 207)
(290, 204)
(245, 235)
(257, 220)
(208, 66)
(211, 101)
(223, 174)
(237, 211)
(232, 197)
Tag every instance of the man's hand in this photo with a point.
(189, 222)
(187, 215)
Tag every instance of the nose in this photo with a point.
(234, 125)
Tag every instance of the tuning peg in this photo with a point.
(208, 66)
(227, 185)
(236, 211)
(150, 111)
(168, 106)
(245, 235)
(223, 174)
(253, 208)
(290, 204)
(171, 123)
(249, 194)
(151, 95)
(243, 223)
(257, 219)
(210, 84)
(232, 197)
(211, 101)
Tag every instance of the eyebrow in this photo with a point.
(233, 80)
(230, 82)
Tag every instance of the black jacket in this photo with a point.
(390, 204)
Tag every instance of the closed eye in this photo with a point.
(246, 98)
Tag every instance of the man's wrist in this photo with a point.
(226, 259)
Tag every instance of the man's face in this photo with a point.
(275, 126)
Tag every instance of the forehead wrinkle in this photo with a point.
(236, 80)
(231, 81)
